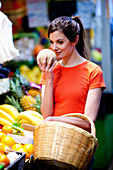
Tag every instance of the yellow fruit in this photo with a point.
(36, 71)
(25, 121)
(28, 117)
(6, 116)
(4, 121)
(34, 92)
(7, 147)
(24, 68)
(2, 134)
(22, 149)
(48, 53)
(11, 110)
(35, 114)
(27, 102)
(16, 146)
(7, 129)
(37, 119)
(29, 147)
(2, 148)
(8, 140)
(4, 159)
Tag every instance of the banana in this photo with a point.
(4, 121)
(24, 121)
(6, 116)
(10, 110)
(35, 113)
(28, 122)
(37, 119)
(28, 117)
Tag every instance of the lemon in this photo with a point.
(24, 68)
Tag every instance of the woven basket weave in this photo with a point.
(65, 143)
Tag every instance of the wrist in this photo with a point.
(49, 81)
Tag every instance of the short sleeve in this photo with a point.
(96, 79)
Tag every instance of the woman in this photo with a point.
(75, 84)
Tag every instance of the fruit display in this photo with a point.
(8, 148)
(8, 140)
(4, 159)
(6, 116)
(34, 92)
(31, 74)
(30, 117)
(9, 109)
(21, 94)
(20, 108)
(9, 115)
(7, 129)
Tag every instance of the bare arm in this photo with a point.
(47, 89)
(71, 120)
(91, 110)
(47, 99)
(93, 103)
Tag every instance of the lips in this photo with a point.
(57, 53)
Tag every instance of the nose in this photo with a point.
(54, 46)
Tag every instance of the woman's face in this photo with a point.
(61, 45)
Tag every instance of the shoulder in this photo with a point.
(96, 79)
(92, 64)
(93, 67)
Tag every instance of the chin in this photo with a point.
(59, 57)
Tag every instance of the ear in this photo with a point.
(76, 40)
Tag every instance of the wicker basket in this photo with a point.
(65, 143)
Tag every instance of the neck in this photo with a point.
(73, 61)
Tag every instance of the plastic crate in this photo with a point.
(19, 163)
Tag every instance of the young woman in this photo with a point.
(74, 84)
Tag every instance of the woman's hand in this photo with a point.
(47, 88)
(47, 69)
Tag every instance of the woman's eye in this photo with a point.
(60, 42)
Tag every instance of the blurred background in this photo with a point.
(30, 19)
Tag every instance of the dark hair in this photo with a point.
(71, 27)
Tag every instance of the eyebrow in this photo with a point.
(57, 40)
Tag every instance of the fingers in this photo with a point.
(46, 64)
(54, 64)
(43, 65)
(50, 62)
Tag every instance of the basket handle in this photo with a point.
(84, 117)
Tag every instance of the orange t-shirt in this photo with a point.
(71, 85)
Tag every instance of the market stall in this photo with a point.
(17, 118)
(20, 74)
